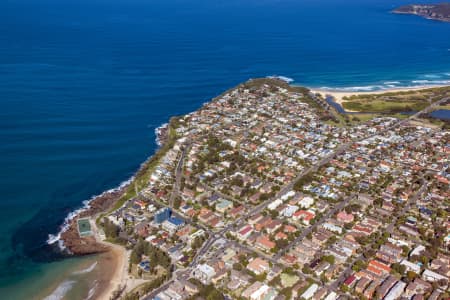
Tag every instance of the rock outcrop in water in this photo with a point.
(439, 12)
(88, 245)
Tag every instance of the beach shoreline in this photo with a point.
(112, 260)
(115, 263)
(339, 94)
(68, 239)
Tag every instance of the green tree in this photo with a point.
(411, 275)
(329, 259)
(134, 257)
(177, 203)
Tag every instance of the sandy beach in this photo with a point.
(113, 264)
(97, 277)
(339, 95)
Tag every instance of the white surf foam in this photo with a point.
(368, 88)
(87, 270)
(92, 290)
(430, 82)
(158, 133)
(53, 238)
(284, 78)
(60, 291)
(389, 85)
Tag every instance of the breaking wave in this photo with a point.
(368, 88)
(284, 78)
(92, 290)
(56, 238)
(158, 133)
(87, 270)
(389, 85)
(431, 82)
(61, 290)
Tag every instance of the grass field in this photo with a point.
(385, 106)
(446, 106)
(393, 102)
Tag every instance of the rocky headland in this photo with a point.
(439, 12)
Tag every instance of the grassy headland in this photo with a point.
(142, 176)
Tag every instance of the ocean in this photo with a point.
(84, 84)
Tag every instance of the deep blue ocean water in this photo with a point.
(83, 85)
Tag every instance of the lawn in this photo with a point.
(364, 117)
(288, 280)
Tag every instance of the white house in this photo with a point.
(204, 273)
(274, 204)
(306, 202)
(310, 291)
(410, 266)
(289, 210)
(432, 276)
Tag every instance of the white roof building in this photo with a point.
(432, 276)
(306, 202)
(259, 293)
(310, 291)
(274, 204)
(411, 266)
(331, 296)
(290, 210)
(204, 273)
(417, 251)
(396, 291)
